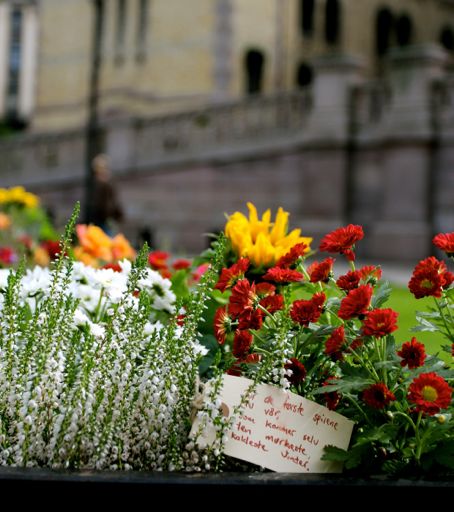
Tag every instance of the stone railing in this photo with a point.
(369, 102)
(246, 123)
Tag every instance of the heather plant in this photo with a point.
(99, 378)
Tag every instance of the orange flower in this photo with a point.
(86, 258)
(122, 249)
(41, 257)
(5, 221)
(94, 241)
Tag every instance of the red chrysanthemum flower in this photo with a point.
(305, 311)
(342, 240)
(370, 274)
(234, 370)
(292, 256)
(181, 264)
(320, 272)
(272, 303)
(429, 278)
(242, 342)
(265, 289)
(243, 296)
(158, 260)
(380, 322)
(377, 396)
(445, 242)
(7, 255)
(349, 281)
(298, 371)
(332, 398)
(230, 276)
(413, 354)
(283, 275)
(251, 359)
(52, 247)
(250, 319)
(113, 266)
(356, 343)
(356, 302)
(335, 344)
(430, 393)
(222, 324)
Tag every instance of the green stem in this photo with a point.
(440, 309)
(267, 313)
(419, 444)
(368, 367)
(352, 265)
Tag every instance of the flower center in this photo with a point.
(429, 393)
(426, 283)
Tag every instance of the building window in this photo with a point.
(142, 26)
(332, 21)
(254, 63)
(304, 75)
(447, 38)
(307, 17)
(404, 30)
(383, 30)
(14, 66)
(120, 31)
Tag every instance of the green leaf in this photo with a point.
(333, 453)
(444, 454)
(209, 342)
(382, 294)
(345, 385)
(180, 284)
(424, 325)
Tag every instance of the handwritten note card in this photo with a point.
(281, 430)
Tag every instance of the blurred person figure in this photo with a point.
(105, 208)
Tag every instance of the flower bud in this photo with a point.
(441, 418)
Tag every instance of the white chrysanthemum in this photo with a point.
(4, 273)
(35, 281)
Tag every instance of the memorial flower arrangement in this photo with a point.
(285, 319)
(108, 367)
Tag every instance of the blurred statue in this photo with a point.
(105, 208)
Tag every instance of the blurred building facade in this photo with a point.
(338, 110)
(166, 55)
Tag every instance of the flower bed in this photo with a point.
(108, 370)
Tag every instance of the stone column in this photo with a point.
(29, 57)
(334, 76)
(404, 225)
(324, 169)
(4, 53)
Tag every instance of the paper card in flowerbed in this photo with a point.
(280, 430)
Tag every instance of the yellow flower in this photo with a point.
(3, 195)
(5, 221)
(261, 240)
(18, 195)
